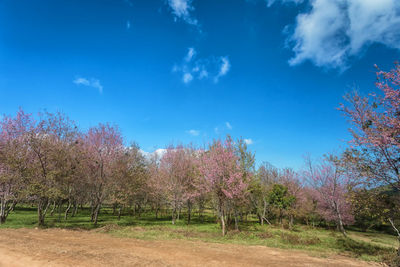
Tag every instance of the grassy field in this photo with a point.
(370, 246)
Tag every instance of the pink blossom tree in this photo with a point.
(330, 185)
(375, 121)
(13, 159)
(180, 178)
(104, 145)
(129, 179)
(155, 184)
(49, 167)
(223, 176)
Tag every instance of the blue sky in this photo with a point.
(169, 71)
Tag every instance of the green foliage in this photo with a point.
(280, 198)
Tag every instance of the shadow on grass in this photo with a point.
(359, 248)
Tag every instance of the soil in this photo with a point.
(58, 247)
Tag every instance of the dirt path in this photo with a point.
(55, 247)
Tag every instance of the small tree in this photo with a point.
(223, 176)
(103, 149)
(330, 184)
(280, 198)
(130, 175)
(13, 160)
(180, 178)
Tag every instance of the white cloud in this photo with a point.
(158, 152)
(128, 24)
(181, 9)
(228, 125)
(95, 83)
(332, 31)
(203, 74)
(193, 132)
(271, 2)
(191, 53)
(223, 69)
(248, 141)
(193, 67)
(187, 77)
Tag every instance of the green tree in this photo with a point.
(280, 198)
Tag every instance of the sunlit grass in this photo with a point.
(371, 246)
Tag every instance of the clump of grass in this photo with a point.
(108, 228)
(391, 259)
(264, 235)
(298, 240)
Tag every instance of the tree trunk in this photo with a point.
(114, 209)
(398, 235)
(59, 211)
(3, 207)
(53, 209)
(67, 210)
(223, 223)
(189, 211)
(173, 216)
(291, 222)
(96, 214)
(260, 220)
(75, 210)
(341, 227)
(43, 205)
(236, 220)
(119, 213)
(92, 210)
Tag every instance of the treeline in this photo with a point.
(47, 161)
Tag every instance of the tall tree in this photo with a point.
(375, 121)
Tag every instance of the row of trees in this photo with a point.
(49, 162)
(46, 160)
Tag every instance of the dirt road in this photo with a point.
(55, 247)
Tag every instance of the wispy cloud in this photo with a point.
(95, 83)
(190, 54)
(181, 9)
(128, 24)
(271, 2)
(193, 132)
(228, 125)
(248, 141)
(187, 77)
(331, 32)
(225, 66)
(193, 67)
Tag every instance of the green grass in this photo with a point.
(370, 246)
